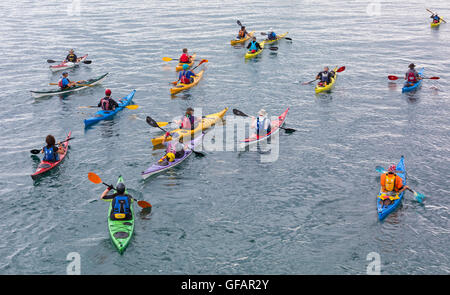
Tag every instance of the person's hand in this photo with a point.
(110, 187)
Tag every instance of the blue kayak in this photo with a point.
(103, 115)
(415, 86)
(384, 211)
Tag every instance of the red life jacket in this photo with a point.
(184, 79)
(60, 83)
(186, 123)
(105, 103)
(184, 58)
(412, 77)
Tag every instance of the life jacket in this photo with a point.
(272, 35)
(121, 207)
(253, 46)
(171, 147)
(260, 130)
(106, 104)
(411, 77)
(241, 33)
(436, 19)
(184, 58)
(324, 76)
(391, 184)
(71, 58)
(184, 79)
(50, 155)
(186, 122)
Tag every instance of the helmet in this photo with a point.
(392, 168)
(120, 188)
(390, 182)
(170, 157)
(65, 73)
(262, 112)
(108, 92)
(411, 66)
(185, 66)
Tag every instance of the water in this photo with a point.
(312, 211)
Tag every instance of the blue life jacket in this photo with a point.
(260, 130)
(121, 205)
(253, 46)
(50, 155)
(272, 35)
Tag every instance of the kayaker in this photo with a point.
(325, 76)
(253, 46)
(391, 186)
(185, 57)
(71, 57)
(64, 82)
(107, 103)
(242, 33)
(271, 35)
(188, 121)
(175, 149)
(412, 76)
(261, 124)
(121, 202)
(51, 151)
(435, 18)
(186, 76)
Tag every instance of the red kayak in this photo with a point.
(275, 127)
(67, 65)
(45, 166)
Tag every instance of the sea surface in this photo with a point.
(311, 209)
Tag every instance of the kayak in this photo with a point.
(279, 37)
(162, 166)
(181, 87)
(90, 82)
(207, 122)
(435, 25)
(416, 85)
(103, 115)
(384, 211)
(275, 128)
(45, 166)
(252, 55)
(180, 65)
(120, 231)
(67, 65)
(329, 86)
(238, 41)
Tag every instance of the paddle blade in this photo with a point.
(144, 204)
(88, 62)
(50, 61)
(287, 38)
(289, 130)
(167, 59)
(434, 78)
(341, 69)
(132, 107)
(419, 197)
(151, 122)
(239, 22)
(273, 48)
(239, 113)
(94, 178)
(380, 169)
(392, 77)
(162, 124)
(35, 152)
(264, 34)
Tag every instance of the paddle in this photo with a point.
(239, 23)
(239, 113)
(35, 152)
(130, 107)
(393, 78)
(419, 197)
(202, 61)
(341, 69)
(84, 61)
(96, 179)
(435, 14)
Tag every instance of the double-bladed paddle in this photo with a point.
(287, 38)
(84, 61)
(35, 152)
(240, 113)
(419, 197)
(393, 78)
(130, 107)
(435, 14)
(96, 179)
(341, 69)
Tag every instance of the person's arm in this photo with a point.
(60, 149)
(105, 196)
(100, 103)
(249, 44)
(403, 189)
(318, 76)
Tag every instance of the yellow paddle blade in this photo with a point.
(84, 85)
(132, 107)
(94, 177)
(162, 124)
(167, 59)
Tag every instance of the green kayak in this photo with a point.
(121, 231)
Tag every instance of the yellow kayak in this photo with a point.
(329, 86)
(180, 65)
(207, 122)
(434, 25)
(252, 55)
(278, 38)
(250, 35)
(180, 86)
